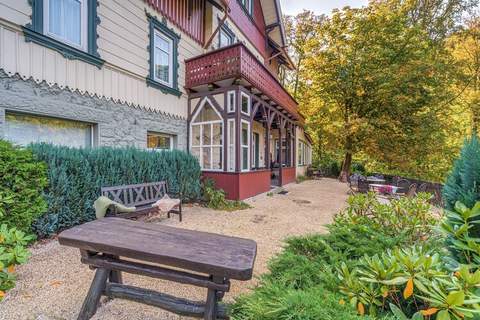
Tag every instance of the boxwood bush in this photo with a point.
(76, 176)
(22, 180)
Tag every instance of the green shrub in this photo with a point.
(215, 198)
(76, 176)
(13, 252)
(22, 179)
(457, 226)
(302, 281)
(274, 302)
(463, 183)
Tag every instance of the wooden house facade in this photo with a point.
(195, 75)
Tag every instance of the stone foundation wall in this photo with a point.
(115, 124)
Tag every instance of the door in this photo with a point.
(256, 150)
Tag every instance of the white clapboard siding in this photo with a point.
(123, 43)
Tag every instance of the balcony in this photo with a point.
(237, 62)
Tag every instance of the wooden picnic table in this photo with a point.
(109, 244)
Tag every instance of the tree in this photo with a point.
(377, 81)
(465, 46)
(299, 31)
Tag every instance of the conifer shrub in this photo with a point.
(463, 183)
(76, 176)
(22, 179)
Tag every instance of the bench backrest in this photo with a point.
(136, 194)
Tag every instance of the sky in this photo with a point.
(292, 7)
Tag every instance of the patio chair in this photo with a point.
(403, 185)
(353, 183)
(363, 185)
(412, 191)
(423, 187)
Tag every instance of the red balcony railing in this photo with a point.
(237, 61)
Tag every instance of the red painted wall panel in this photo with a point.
(252, 27)
(240, 186)
(226, 181)
(288, 175)
(253, 183)
(188, 15)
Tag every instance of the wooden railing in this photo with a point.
(237, 61)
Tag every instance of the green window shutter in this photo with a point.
(155, 24)
(34, 33)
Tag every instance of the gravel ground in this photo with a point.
(53, 284)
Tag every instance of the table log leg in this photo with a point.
(92, 300)
(115, 276)
(213, 297)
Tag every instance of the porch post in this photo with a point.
(280, 153)
(225, 132)
(238, 131)
(267, 139)
(294, 145)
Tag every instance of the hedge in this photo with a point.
(22, 180)
(76, 176)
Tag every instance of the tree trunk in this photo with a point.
(347, 163)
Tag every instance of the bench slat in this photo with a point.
(202, 252)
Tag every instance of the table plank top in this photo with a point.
(203, 252)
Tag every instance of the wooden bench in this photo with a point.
(140, 196)
(200, 259)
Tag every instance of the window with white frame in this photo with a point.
(231, 145)
(304, 153)
(231, 101)
(23, 129)
(246, 103)
(248, 6)
(207, 137)
(226, 37)
(163, 65)
(245, 145)
(159, 141)
(66, 21)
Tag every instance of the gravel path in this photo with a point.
(53, 283)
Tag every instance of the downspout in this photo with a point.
(226, 9)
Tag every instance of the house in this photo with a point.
(197, 75)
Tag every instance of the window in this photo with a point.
(304, 154)
(66, 20)
(163, 57)
(23, 129)
(207, 137)
(159, 141)
(245, 104)
(245, 145)
(67, 26)
(231, 101)
(247, 6)
(226, 37)
(231, 145)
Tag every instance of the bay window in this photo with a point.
(246, 104)
(207, 138)
(231, 145)
(245, 145)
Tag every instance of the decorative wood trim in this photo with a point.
(155, 24)
(34, 33)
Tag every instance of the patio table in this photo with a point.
(115, 245)
(379, 187)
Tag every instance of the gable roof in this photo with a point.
(272, 12)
